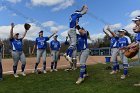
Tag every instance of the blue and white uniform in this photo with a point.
(74, 19)
(41, 43)
(55, 48)
(137, 39)
(114, 45)
(84, 53)
(1, 71)
(17, 53)
(124, 42)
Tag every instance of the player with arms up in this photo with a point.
(74, 19)
(114, 45)
(17, 50)
(41, 44)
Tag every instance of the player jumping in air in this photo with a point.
(74, 19)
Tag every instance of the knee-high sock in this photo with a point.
(85, 69)
(82, 70)
(52, 64)
(1, 70)
(125, 69)
(55, 65)
(36, 65)
(117, 66)
(15, 69)
(23, 67)
(114, 66)
(44, 65)
(70, 52)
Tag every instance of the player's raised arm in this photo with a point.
(27, 27)
(112, 33)
(52, 34)
(11, 31)
(84, 10)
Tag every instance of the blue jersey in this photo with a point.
(137, 37)
(41, 42)
(74, 19)
(114, 43)
(82, 42)
(16, 44)
(124, 41)
(55, 45)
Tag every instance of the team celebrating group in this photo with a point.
(78, 44)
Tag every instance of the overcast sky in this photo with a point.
(50, 15)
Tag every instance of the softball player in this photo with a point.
(54, 48)
(74, 19)
(114, 45)
(41, 44)
(137, 37)
(84, 53)
(73, 65)
(1, 71)
(17, 51)
(124, 41)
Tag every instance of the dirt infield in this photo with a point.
(7, 63)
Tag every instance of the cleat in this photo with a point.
(68, 69)
(51, 70)
(16, 76)
(113, 72)
(137, 85)
(23, 74)
(79, 81)
(123, 76)
(118, 71)
(55, 70)
(85, 75)
(69, 59)
(44, 71)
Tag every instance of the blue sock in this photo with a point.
(114, 67)
(85, 69)
(70, 52)
(117, 67)
(67, 52)
(125, 66)
(82, 71)
(15, 69)
(22, 67)
(125, 71)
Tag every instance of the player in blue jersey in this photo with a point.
(41, 45)
(84, 53)
(1, 71)
(136, 30)
(54, 48)
(74, 19)
(17, 51)
(124, 41)
(114, 45)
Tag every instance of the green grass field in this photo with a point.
(99, 81)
